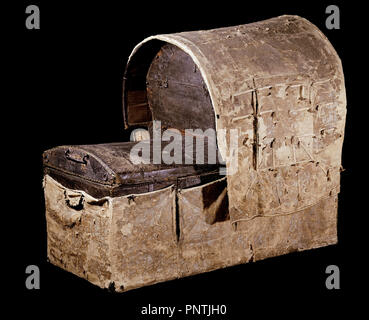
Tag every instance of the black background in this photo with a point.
(67, 82)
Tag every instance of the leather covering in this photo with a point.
(112, 170)
(280, 84)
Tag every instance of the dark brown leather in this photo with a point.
(106, 169)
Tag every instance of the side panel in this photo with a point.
(143, 239)
(78, 228)
(298, 133)
(313, 227)
(207, 240)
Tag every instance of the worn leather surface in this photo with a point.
(132, 241)
(109, 169)
(280, 84)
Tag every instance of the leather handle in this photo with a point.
(82, 160)
(74, 201)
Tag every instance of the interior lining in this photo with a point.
(162, 82)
